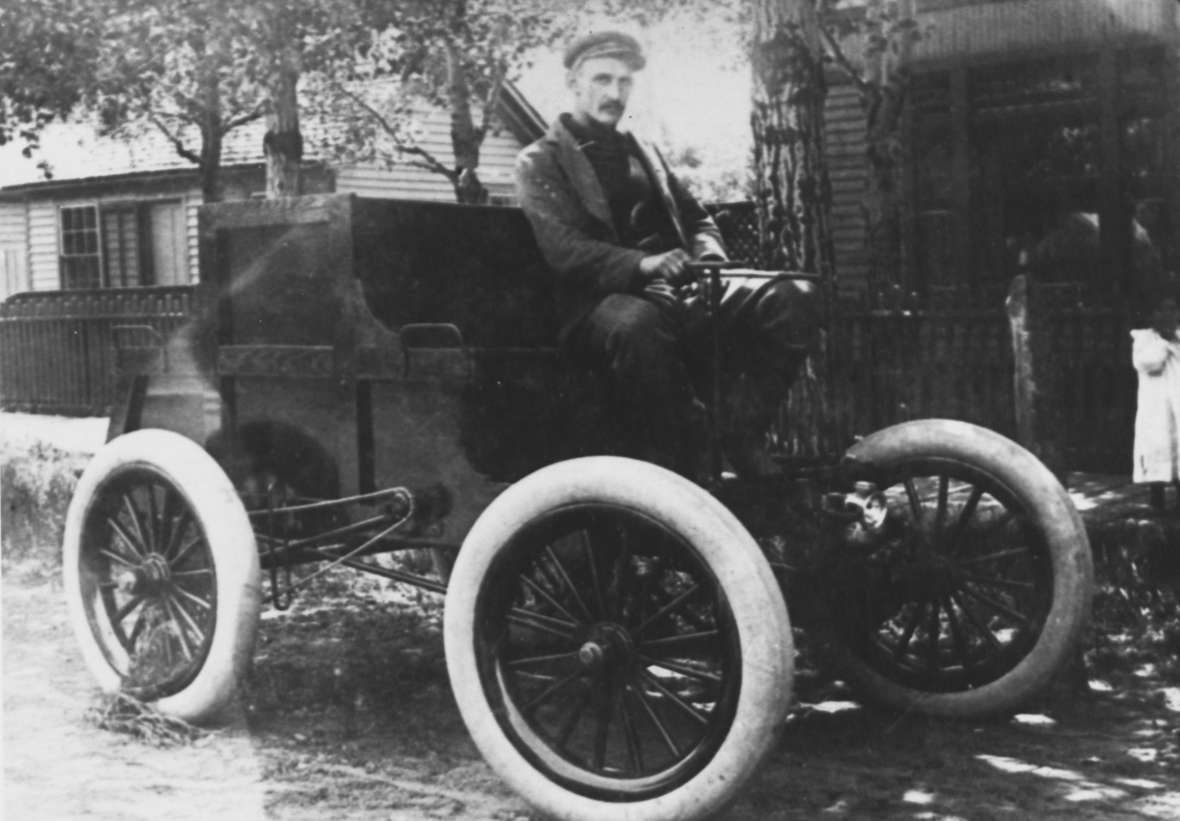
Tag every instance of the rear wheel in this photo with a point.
(161, 574)
(976, 589)
(614, 641)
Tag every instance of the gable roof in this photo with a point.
(77, 154)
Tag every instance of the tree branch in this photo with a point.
(258, 113)
(841, 59)
(177, 143)
(429, 161)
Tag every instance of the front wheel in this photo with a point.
(976, 586)
(617, 644)
(161, 574)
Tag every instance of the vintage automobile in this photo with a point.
(371, 376)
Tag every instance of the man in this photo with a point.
(618, 228)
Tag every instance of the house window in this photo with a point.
(81, 263)
(123, 245)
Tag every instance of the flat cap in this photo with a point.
(605, 44)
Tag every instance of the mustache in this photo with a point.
(611, 107)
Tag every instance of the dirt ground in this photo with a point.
(349, 715)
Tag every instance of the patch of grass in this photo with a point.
(127, 715)
(36, 483)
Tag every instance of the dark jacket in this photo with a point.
(561, 196)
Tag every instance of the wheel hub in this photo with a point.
(149, 575)
(607, 645)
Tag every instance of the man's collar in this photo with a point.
(582, 135)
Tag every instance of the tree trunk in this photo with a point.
(466, 138)
(283, 143)
(883, 98)
(211, 137)
(792, 192)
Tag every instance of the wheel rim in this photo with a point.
(149, 585)
(959, 592)
(608, 652)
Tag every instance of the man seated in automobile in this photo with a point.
(618, 228)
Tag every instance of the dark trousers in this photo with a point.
(657, 353)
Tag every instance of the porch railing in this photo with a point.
(57, 348)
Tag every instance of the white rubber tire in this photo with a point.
(215, 506)
(760, 616)
(1069, 557)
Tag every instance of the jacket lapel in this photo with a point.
(659, 176)
(581, 174)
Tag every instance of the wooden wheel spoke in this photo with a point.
(182, 636)
(128, 606)
(129, 506)
(120, 531)
(605, 713)
(666, 610)
(187, 617)
(197, 600)
(118, 557)
(202, 571)
(621, 576)
(965, 516)
(682, 669)
(544, 594)
(151, 531)
(1012, 584)
(550, 691)
(185, 549)
(571, 721)
(682, 642)
(541, 623)
(634, 747)
(994, 557)
(944, 483)
(977, 623)
(997, 606)
(655, 720)
(568, 583)
(595, 581)
(176, 531)
(687, 708)
(915, 500)
(528, 661)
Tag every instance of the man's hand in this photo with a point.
(668, 266)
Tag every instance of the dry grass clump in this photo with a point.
(123, 713)
(36, 482)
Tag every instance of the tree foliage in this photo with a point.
(46, 49)
(185, 69)
(454, 56)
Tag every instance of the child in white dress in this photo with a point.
(1155, 353)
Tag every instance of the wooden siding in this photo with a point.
(43, 267)
(845, 144)
(408, 182)
(14, 257)
(959, 31)
(43, 232)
